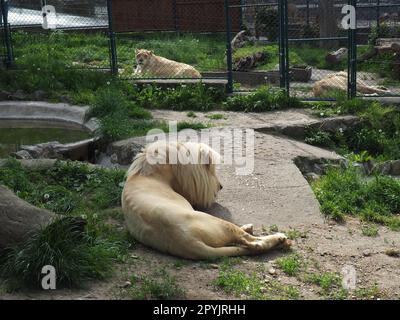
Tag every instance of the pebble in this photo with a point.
(133, 256)
(366, 253)
(271, 271)
(214, 266)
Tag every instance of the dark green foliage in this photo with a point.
(267, 23)
(75, 190)
(264, 99)
(377, 134)
(198, 97)
(75, 255)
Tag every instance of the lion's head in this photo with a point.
(143, 56)
(190, 169)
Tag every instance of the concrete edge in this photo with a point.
(47, 112)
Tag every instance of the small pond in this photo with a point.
(13, 134)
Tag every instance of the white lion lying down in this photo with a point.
(338, 81)
(148, 64)
(158, 201)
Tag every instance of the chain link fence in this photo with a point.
(171, 39)
(378, 47)
(297, 45)
(255, 49)
(73, 32)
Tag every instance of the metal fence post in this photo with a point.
(378, 14)
(175, 15)
(113, 45)
(229, 48)
(352, 58)
(7, 32)
(286, 45)
(283, 45)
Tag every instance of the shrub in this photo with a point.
(198, 97)
(72, 252)
(267, 24)
(264, 99)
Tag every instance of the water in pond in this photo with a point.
(11, 139)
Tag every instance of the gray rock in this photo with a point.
(395, 168)
(311, 176)
(366, 253)
(18, 218)
(19, 95)
(22, 154)
(4, 95)
(383, 168)
(39, 95)
(65, 99)
(123, 152)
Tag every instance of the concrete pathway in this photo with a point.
(276, 192)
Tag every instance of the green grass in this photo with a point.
(290, 265)
(298, 56)
(216, 116)
(328, 281)
(74, 190)
(346, 192)
(75, 255)
(371, 292)
(369, 230)
(261, 100)
(159, 285)
(251, 286)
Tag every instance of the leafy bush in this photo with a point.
(267, 23)
(74, 254)
(264, 99)
(377, 133)
(198, 97)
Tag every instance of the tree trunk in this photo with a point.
(19, 218)
(328, 23)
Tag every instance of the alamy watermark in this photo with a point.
(49, 278)
(49, 14)
(236, 147)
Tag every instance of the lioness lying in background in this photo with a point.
(338, 81)
(148, 64)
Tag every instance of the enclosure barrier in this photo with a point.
(297, 45)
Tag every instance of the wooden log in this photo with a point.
(19, 218)
(396, 47)
(249, 62)
(384, 42)
(372, 52)
(338, 56)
